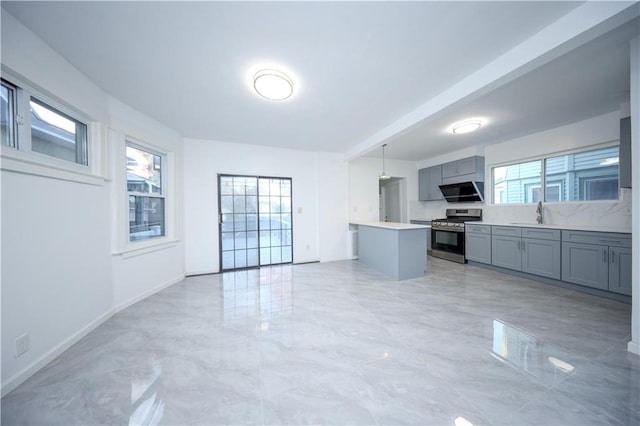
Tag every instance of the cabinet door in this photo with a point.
(620, 270)
(506, 252)
(541, 257)
(423, 184)
(467, 166)
(478, 247)
(625, 152)
(586, 264)
(435, 180)
(429, 180)
(450, 169)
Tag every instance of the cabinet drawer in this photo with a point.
(602, 238)
(477, 229)
(541, 234)
(507, 231)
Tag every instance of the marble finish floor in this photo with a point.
(336, 343)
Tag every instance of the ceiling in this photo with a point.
(359, 67)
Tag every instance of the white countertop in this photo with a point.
(549, 226)
(392, 225)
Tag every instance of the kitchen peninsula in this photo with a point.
(394, 249)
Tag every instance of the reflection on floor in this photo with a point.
(336, 343)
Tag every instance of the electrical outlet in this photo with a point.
(22, 344)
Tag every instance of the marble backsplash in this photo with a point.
(594, 213)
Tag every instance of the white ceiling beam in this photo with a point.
(578, 27)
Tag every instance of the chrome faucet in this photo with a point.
(539, 211)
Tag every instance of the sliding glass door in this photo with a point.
(254, 221)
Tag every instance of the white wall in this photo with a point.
(333, 172)
(364, 186)
(634, 344)
(315, 193)
(592, 132)
(60, 278)
(140, 273)
(56, 277)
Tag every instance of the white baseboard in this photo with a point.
(633, 347)
(201, 272)
(20, 377)
(148, 293)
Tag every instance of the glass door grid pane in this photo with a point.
(275, 221)
(255, 221)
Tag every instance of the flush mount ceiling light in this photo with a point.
(466, 126)
(272, 84)
(383, 176)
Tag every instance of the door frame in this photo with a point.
(257, 177)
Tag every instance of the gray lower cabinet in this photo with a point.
(505, 252)
(620, 270)
(541, 257)
(532, 250)
(598, 260)
(478, 243)
(585, 264)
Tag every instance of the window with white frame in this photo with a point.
(145, 188)
(580, 176)
(8, 112)
(48, 129)
(517, 183)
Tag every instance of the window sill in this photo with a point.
(139, 251)
(31, 164)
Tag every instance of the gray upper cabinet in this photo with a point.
(429, 180)
(597, 259)
(625, 152)
(464, 170)
(478, 243)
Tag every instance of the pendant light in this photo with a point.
(383, 176)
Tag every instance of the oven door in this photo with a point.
(447, 241)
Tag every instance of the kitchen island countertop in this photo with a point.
(392, 225)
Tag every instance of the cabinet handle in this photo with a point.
(604, 255)
(613, 257)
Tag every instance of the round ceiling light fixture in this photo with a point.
(272, 84)
(466, 126)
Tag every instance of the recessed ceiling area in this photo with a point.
(360, 66)
(586, 82)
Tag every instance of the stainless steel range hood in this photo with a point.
(463, 192)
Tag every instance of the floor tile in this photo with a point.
(337, 343)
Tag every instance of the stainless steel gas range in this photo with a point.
(447, 234)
